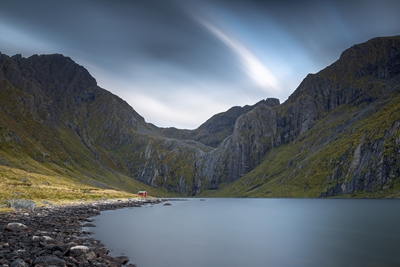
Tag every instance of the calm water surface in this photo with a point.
(255, 232)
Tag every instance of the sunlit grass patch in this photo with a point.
(58, 190)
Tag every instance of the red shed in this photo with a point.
(142, 193)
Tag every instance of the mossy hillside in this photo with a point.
(303, 168)
(69, 127)
(101, 178)
(135, 150)
(30, 144)
(96, 141)
(55, 189)
(62, 154)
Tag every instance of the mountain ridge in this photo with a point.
(218, 127)
(73, 127)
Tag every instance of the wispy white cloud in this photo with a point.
(256, 70)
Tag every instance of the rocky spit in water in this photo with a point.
(54, 236)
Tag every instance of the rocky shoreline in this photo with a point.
(54, 236)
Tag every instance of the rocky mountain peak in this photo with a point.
(55, 72)
(272, 102)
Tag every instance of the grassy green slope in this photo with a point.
(31, 149)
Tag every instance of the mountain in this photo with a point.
(218, 127)
(336, 135)
(52, 114)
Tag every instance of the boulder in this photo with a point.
(88, 225)
(22, 204)
(18, 254)
(18, 263)
(16, 227)
(49, 260)
(44, 238)
(78, 250)
(122, 260)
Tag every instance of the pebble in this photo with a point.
(53, 236)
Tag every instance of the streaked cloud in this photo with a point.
(253, 67)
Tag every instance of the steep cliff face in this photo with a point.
(339, 130)
(253, 135)
(259, 130)
(359, 76)
(371, 162)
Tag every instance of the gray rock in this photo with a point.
(18, 254)
(78, 250)
(22, 204)
(48, 261)
(123, 259)
(47, 239)
(18, 263)
(88, 225)
(272, 102)
(90, 255)
(17, 227)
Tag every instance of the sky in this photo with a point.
(179, 62)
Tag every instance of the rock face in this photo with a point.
(218, 127)
(88, 131)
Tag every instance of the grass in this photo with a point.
(59, 190)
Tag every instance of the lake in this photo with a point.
(255, 232)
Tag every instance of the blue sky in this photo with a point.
(178, 62)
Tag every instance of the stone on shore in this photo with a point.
(78, 250)
(18, 263)
(17, 227)
(122, 259)
(22, 204)
(48, 261)
(88, 225)
(53, 236)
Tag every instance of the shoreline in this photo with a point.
(54, 235)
